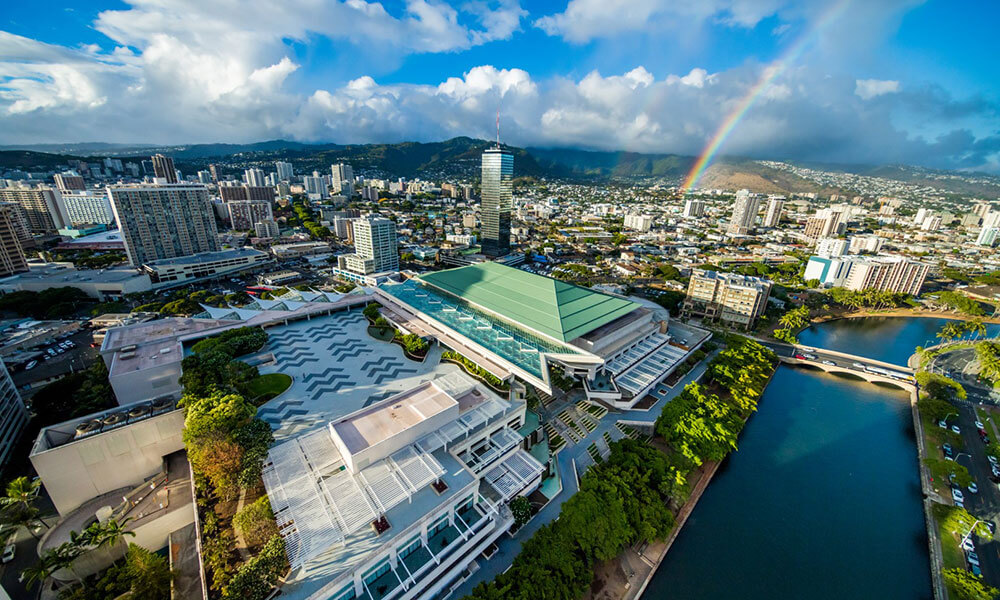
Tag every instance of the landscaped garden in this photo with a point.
(265, 387)
(634, 493)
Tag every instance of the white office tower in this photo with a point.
(342, 178)
(164, 221)
(922, 214)
(990, 231)
(205, 177)
(255, 177)
(315, 187)
(13, 416)
(830, 247)
(775, 204)
(744, 217)
(284, 170)
(640, 223)
(376, 247)
(694, 208)
(86, 207)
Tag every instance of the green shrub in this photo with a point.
(256, 522)
(256, 578)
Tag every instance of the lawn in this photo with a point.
(265, 387)
(951, 554)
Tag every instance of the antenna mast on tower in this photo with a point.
(498, 126)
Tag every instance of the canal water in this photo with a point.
(822, 500)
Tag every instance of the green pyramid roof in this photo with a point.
(555, 308)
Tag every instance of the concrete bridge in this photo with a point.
(832, 361)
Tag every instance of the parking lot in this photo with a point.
(985, 503)
(72, 358)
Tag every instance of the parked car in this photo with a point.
(957, 495)
(956, 429)
(31, 365)
(992, 459)
(972, 557)
(979, 425)
(973, 487)
(967, 544)
(8, 553)
(943, 424)
(975, 570)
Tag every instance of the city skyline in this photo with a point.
(828, 81)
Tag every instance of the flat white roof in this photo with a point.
(371, 426)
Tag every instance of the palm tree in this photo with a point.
(21, 491)
(110, 533)
(40, 571)
(64, 555)
(975, 327)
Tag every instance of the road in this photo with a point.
(986, 503)
(960, 365)
(824, 356)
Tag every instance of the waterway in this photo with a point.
(822, 500)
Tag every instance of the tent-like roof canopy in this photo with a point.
(554, 308)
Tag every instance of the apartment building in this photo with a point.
(887, 273)
(744, 218)
(245, 213)
(727, 297)
(164, 221)
(12, 259)
(43, 207)
(85, 207)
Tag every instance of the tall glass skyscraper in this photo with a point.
(497, 194)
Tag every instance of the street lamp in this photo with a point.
(971, 529)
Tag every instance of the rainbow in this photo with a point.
(771, 72)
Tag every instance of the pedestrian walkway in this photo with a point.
(576, 452)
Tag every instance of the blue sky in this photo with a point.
(886, 81)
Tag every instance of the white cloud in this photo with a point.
(227, 74)
(870, 88)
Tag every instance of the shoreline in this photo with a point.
(903, 312)
(687, 509)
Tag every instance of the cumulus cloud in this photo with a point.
(229, 75)
(870, 88)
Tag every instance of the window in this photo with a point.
(377, 572)
(410, 548)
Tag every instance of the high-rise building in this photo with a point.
(147, 168)
(284, 170)
(775, 204)
(315, 186)
(376, 247)
(638, 222)
(234, 192)
(13, 416)
(991, 227)
(693, 208)
(214, 170)
(469, 220)
(164, 221)
(828, 222)
(931, 222)
(163, 167)
(728, 297)
(84, 207)
(254, 177)
(204, 177)
(887, 273)
(497, 191)
(342, 178)
(245, 213)
(69, 181)
(827, 247)
(43, 207)
(744, 217)
(11, 250)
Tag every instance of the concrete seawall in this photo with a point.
(933, 542)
